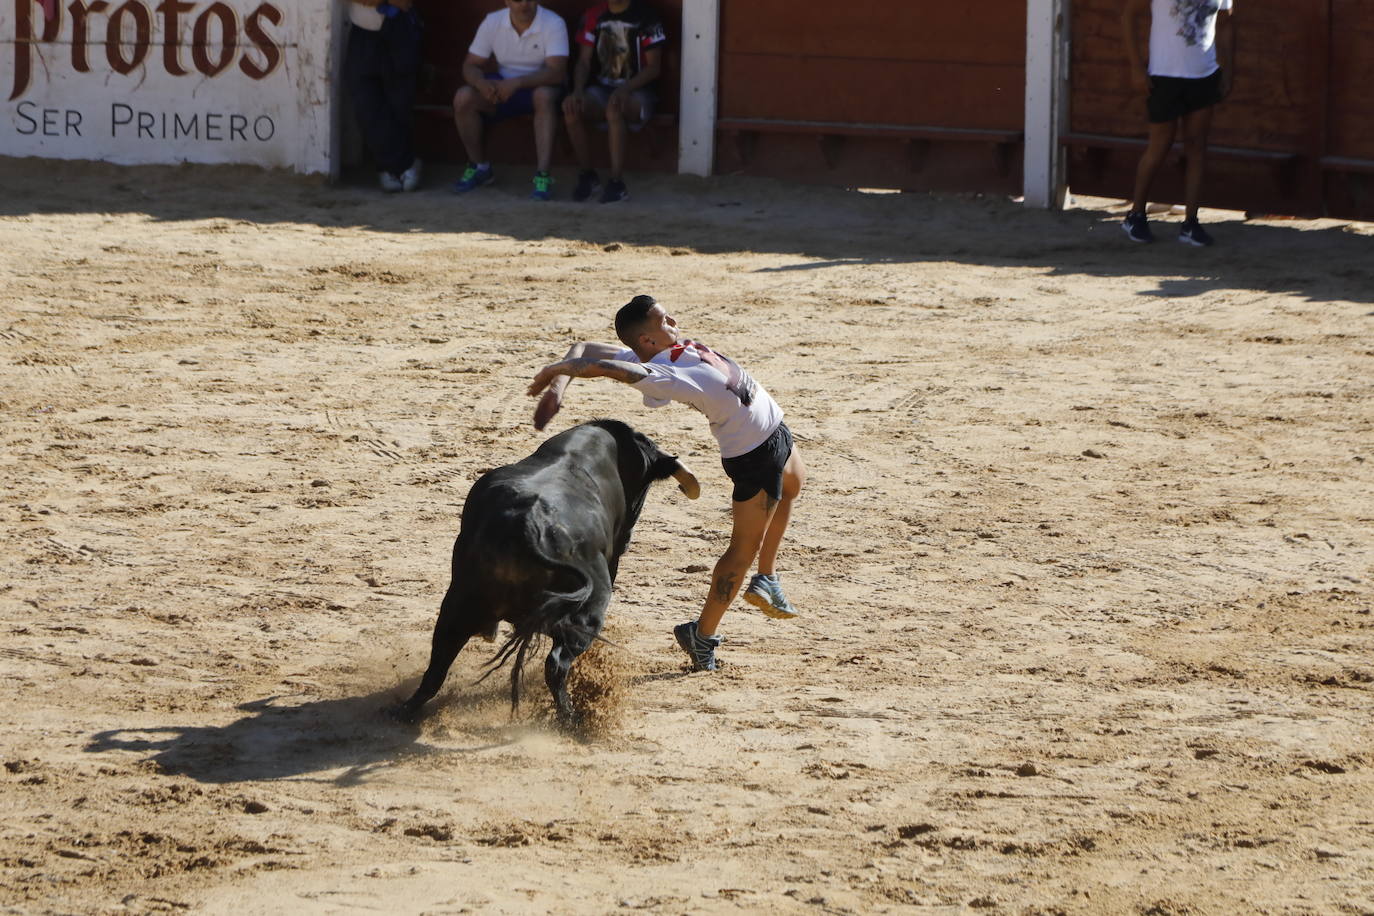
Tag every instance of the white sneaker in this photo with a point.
(410, 178)
(389, 182)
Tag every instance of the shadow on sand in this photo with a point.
(277, 739)
(824, 227)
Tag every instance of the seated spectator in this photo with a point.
(528, 47)
(620, 50)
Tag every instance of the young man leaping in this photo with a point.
(756, 449)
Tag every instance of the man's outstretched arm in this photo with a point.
(586, 359)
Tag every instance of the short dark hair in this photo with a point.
(631, 316)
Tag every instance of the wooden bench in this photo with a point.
(1346, 164)
(830, 137)
(1100, 146)
(1138, 144)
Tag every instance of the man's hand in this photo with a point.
(1140, 82)
(504, 90)
(546, 408)
(544, 376)
(621, 101)
(553, 398)
(572, 105)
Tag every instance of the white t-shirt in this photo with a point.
(365, 17)
(1183, 37)
(741, 413)
(516, 54)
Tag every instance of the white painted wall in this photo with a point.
(697, 105)
(1047, 31)
(123, 83)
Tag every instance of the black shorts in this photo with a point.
(1172, 97)
(760, 469)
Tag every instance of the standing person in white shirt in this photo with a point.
(528, 45)
(1183, 81)
(756, 449)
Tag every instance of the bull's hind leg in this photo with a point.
(452, 631)
(571, 637)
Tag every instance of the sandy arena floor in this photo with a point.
(1086, 557)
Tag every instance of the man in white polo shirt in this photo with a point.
(528, 46)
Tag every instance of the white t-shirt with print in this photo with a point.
(741, 413)
(516, 54)
(1183, 37)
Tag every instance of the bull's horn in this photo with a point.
(687, 481)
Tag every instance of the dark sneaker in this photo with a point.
(543, 185)
(701, 649)
(615, 190)
(1137, 228)
(1190, 233)
(765, 593)
(474, 176)
(588, 183)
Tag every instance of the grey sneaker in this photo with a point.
(410, 178)
(765, 593)
(701, 649)
(390, 183)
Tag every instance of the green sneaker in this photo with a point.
(543, 182)
(474, 176)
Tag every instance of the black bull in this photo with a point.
(538, 547)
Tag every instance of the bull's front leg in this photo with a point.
(451, 632)
(556, 668)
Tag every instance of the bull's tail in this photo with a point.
(534, 625)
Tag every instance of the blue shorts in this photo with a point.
(522, 103)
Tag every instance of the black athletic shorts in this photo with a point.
(1172, 97)
(760, 469)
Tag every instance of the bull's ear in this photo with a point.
(687, 481)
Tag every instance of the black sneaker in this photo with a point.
(615, 190)
(1190, 233)
(1137, 228)
(588, 183)
(701, 649)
